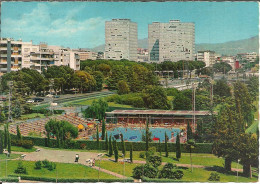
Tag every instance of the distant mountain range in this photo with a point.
(226, 48)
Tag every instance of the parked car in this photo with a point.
(30, 101)
(56, 96)
(38, 99)
(49, 95)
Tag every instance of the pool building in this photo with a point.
(155, 117)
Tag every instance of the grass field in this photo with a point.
(197, 159)
(198, 174)
(62, 170)
(31, 116)
(21, 149)
(12, 156)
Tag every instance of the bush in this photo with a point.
(141, 155)
(52, 166)
(20, 169)
(46, 163)
(168, 172)
(10, 179)
(214, 177)
(28, 144)
(38, 165)
(49, 165)
(155, 161)
(144, 170)
(178, 174)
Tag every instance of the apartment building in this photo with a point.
(27, 48)
(86, 54)
(142, 55)
(207, 56)
(10, 55)
(42, 58)
(251, 57)
(172, 41)
(121, 39)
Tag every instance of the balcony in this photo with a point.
(35, 58)
(3, 48)
(3, 55)
(16, 55)
(3, 61)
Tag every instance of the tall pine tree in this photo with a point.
(1, 142)
(123, 144)
(106, 143)
(97, 137)
(115, 151)
(189, 132)
(19, 136)
(166, 145)
(131, 152)
(5, 136)
(103, 130)
(178, 147)
(110, 151)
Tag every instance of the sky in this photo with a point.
(82, 24)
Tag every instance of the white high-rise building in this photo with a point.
(121, 39)
(207, 56)
(172, 41)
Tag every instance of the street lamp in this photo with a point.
(237, 168)
(124, 165)
(99, 155)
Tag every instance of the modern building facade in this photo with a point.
(172, 41)
(251, 57)
(121, 39)
(207, 56)
(10, 55)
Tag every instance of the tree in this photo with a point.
(103, 129)
(97, 137)
(166, 145)
(19, 136)
(110, 153)
(20, 169)
(222, 67)
(1, 142)
(106, 143)
(159, 147)
(182, 102)
(178, 147)
(253, 86)
(221, 88)
(247, 146)
(155, 97)
(147, 136)
(123, 87)
(5, 136)
(99, 78)
(116, 151)
(123, 145)
(97, 109)
(189, 132)
(87, 81)
(62, 130)
(9, 144)
(190, 145)
(131, 153)
(226, 134)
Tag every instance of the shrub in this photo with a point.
(83, 146)
(141, 155)
(38, 165)
(20, 169)
(28, 144)
(214, 177)
(178, 174)
(46, 163)
(168, 172)
(52, 166)
(155, 161)
(144, 170)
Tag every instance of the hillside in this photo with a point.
(227, 48)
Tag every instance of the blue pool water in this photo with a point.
(137, 132)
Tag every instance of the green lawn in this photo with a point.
(63, 170)
(31, 116)
(198, 174)
(117, 167)
(197, 159)
(12, 156)
(21, 149)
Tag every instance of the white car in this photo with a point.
(49, 95)
(30, 101)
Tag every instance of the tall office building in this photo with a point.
(171, 41)
(121, 39)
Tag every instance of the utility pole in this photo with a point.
(193, 104)
(10, 84)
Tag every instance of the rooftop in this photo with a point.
(163, 112)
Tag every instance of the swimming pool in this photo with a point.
(130, 132)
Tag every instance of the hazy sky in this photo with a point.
(82, 24)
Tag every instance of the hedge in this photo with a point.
(69, 180)
(137, 146)
(13, 179)
(156, 180)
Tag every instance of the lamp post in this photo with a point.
(124, 165)
(99, 155)
(237, 168)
